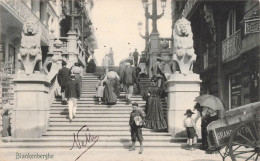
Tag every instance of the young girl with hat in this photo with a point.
(100, 88)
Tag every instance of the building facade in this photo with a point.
(226, 41)
(55, 25)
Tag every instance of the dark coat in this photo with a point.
(128, 76)
(63, 76)
(73, 89)
(135, 55)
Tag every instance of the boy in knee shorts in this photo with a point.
(135, 123)
(189, 123)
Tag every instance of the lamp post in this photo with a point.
(68, 9)
(154, 36)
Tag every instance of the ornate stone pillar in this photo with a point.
(72, 48)
(182, 91)
(31, 88)
(183, 86)
(154, 51)
(31, 112)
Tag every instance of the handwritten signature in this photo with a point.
(80, 143)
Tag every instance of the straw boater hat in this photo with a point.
(189, 112)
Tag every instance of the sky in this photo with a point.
(116, 26)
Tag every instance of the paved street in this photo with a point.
(149, 154)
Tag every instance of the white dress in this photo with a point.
(100, 88)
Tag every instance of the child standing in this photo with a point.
(189, 123)
(72, 93)
(135, 123)
(100, 88)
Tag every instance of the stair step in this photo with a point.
(95, 102)
(86, 109)
(98, 144)
(83, 119)
(100, 128)
(96, 99)
(101, 139)
(90, 124)
(103, 133)
(107, 112)
(87, 115)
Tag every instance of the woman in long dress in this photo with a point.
(111, 90)
(154, 112)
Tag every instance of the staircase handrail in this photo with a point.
(82, 53)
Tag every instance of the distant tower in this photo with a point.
(111, 56)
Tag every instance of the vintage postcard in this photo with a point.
(130, 80)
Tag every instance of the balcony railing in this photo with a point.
(168, 40)
(23, 11)
(81, 52)
(231, 46)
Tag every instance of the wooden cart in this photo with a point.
(238, 134)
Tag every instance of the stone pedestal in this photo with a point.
(72, 48)
(31, 112)
(183, 89)
(154, 52)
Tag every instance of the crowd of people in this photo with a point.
(127, 80)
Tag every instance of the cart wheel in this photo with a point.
(244, 142)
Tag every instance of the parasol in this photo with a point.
(211, 102)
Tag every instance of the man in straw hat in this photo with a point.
(190, 125)
(128, 78)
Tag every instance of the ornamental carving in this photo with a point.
(183, 51)
(30, 54)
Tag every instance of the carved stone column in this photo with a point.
(31, 113)
(31, 88)
(72, 48)
(182, 91)
(154, 51)
(182, 87)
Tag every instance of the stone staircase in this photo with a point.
(109, 122)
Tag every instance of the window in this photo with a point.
(235, 90)
(231, 22)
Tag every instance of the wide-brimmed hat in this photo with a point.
(189, 112)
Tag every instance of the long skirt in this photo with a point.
(111, 91)
(91, 68)
(154, 118)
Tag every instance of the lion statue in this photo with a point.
(30, 51)
(183, 51)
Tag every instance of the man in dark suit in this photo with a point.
(63, 80)
(135, 55)
(72, 93)
(128, 78)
